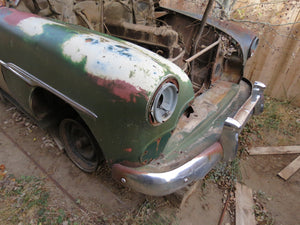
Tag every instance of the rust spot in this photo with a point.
(157, 143)
(122, 89)
(2, 3)
(128, 149)
(119, 171)
(215, 148)
(14, 16)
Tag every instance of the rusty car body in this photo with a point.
(125, 81)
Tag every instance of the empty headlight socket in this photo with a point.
(164, 101)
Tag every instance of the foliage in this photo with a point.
(25, 197)
(226, 174)
(150, 212)
(263, 217)
(277, 125)
(25, 200)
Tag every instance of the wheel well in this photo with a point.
(50, 110)
(45, 104)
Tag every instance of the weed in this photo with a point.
(277, 125)
(262, 216)
(25, 200)
(226, 174)
(25, 195)
(150, 213)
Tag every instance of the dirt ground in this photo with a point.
(27, 150)
(24, 153)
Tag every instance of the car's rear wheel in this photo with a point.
(80, 145)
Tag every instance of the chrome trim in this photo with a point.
(258, 90)
(233, 126)
(143, 180)
(230, 134)
(158, 184)
(33, 81)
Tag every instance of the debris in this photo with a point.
(224, 210)
(289, 170)
(262, 215)
(188, 194)
(2, 167)
(54, 135)
(48, 142)
(181, 196)
(244, 205)
(3, 172)
(274, 150)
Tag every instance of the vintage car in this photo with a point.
(156, 92)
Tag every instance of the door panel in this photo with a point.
(17, 88)
(3, 85)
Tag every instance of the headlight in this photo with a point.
(164, 102)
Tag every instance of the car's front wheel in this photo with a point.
(80, 145)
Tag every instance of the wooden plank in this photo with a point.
(289, 170)
(244, 205)
(275, 150)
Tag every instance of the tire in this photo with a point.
(2, 98)
(80, 145)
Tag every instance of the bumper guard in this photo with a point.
(164, 183)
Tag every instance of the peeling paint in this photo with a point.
(128, 149)
(120, 63)
(34, 26)
(13, 18)
(162, 62)
(122, 89)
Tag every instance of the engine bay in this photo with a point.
(172, 35)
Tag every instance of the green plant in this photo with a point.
(262, 216)
(226, 174)
(24, 196)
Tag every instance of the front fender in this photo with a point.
(112, 78)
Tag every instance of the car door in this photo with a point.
(15, 87)
(3, 85)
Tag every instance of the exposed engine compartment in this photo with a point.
(163, 31)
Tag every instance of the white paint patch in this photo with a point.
(112, 60)
(173, 67)
(34, 25)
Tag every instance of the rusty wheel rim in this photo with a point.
(79, 145)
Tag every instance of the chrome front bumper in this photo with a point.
(164, 183)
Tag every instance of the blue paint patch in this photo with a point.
(121, 50)
(92, 41)
(4, 12)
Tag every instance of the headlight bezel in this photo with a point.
(169, 88)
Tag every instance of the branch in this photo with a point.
(219, 3)
(261, 3)
(264, 23)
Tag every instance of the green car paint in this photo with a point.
(114, 79)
